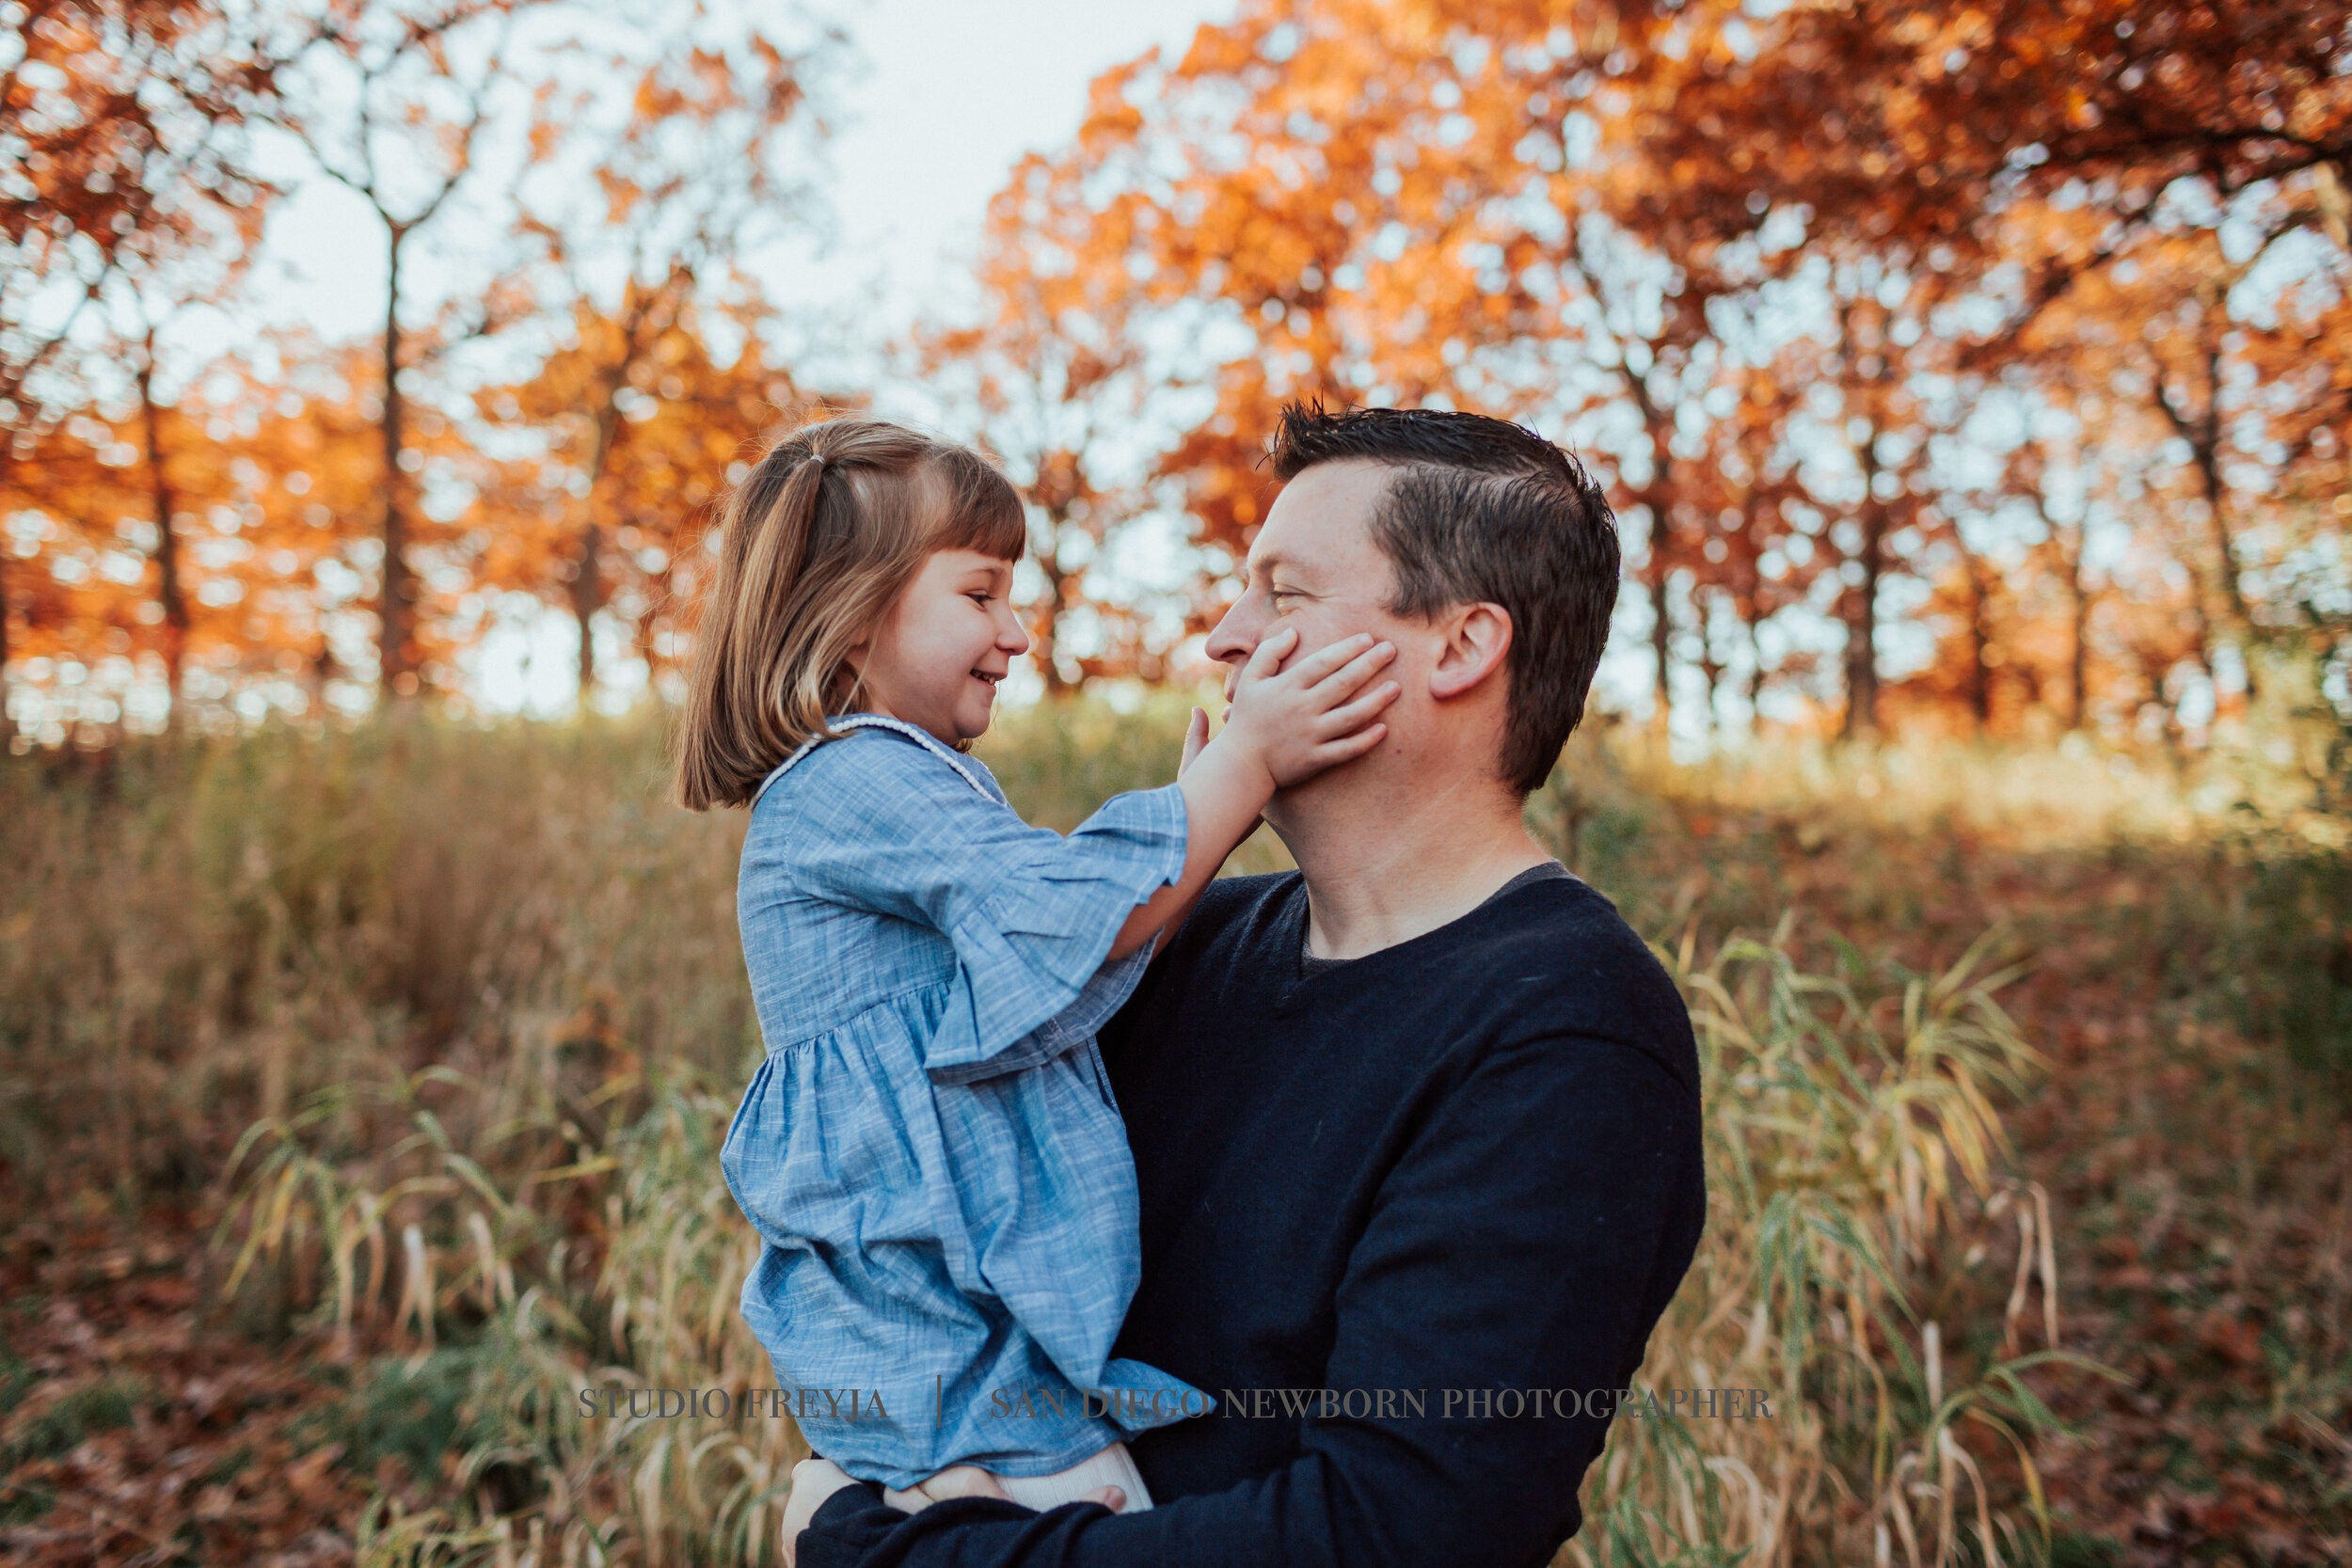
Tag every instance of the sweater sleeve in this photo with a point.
(880, 824)
(1528, 1239)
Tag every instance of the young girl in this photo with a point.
(929, 1151)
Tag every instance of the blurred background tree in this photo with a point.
(1979, 370)
(121, 140)
(638, 408)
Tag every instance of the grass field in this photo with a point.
(360, 1096)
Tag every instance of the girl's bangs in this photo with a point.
(984, 510)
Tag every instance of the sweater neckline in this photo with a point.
(1292, 939)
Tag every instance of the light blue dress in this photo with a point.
(930, 1152)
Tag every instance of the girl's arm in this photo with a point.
(1196, 740)
(1285, 727)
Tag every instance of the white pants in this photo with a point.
(1112, 1466)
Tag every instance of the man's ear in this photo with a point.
(1477, 637)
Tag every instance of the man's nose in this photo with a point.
(1236, 635)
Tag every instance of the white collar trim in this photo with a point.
(876, 721)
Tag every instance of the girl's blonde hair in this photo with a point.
(816, 544)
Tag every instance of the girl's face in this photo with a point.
(936, 658)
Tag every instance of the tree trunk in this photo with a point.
(2078, 674)
(2225, 547)
(7, 723)
(1709, 666)
(1862, 605)
(1755, 674)
(1660, 630)
(2203, 619)
(168, 590)
(2175, 733)
(587, 598)
(1047, 632)
(2203, 431)
(588, 574)
(649, 616)
(2224, 542)
(1657, 497)
(394, 653)
(317, 671)
(1980, 648)
(2206, 444)
(1862, 598)
(1862, 653)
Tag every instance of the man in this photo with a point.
(1416, 1127)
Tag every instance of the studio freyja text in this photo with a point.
(1012, 1405)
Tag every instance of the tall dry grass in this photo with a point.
(448, 1025)
(1853, 1137)
(2073, 793)
(199, 936)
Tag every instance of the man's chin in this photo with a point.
(1291, 805)
(1298, 802)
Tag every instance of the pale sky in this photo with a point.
(959, 90)
(939, 101)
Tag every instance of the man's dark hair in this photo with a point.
(1484, 511)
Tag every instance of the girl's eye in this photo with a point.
(981, 599)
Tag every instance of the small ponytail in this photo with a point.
(816, 543)
(774, 540)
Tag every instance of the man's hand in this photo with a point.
(815, 1480)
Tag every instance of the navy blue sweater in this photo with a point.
(1465, 1166)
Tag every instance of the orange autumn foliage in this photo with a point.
(1586, 216)
(638, 431)
(274, 490)
(1983, 368)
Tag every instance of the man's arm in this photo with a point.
(1525, 1241)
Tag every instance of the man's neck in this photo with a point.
(1379, 876)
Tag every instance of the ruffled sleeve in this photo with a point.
(880, 823)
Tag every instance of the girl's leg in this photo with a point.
(1112, 1466)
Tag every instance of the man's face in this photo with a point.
(1314, 566)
